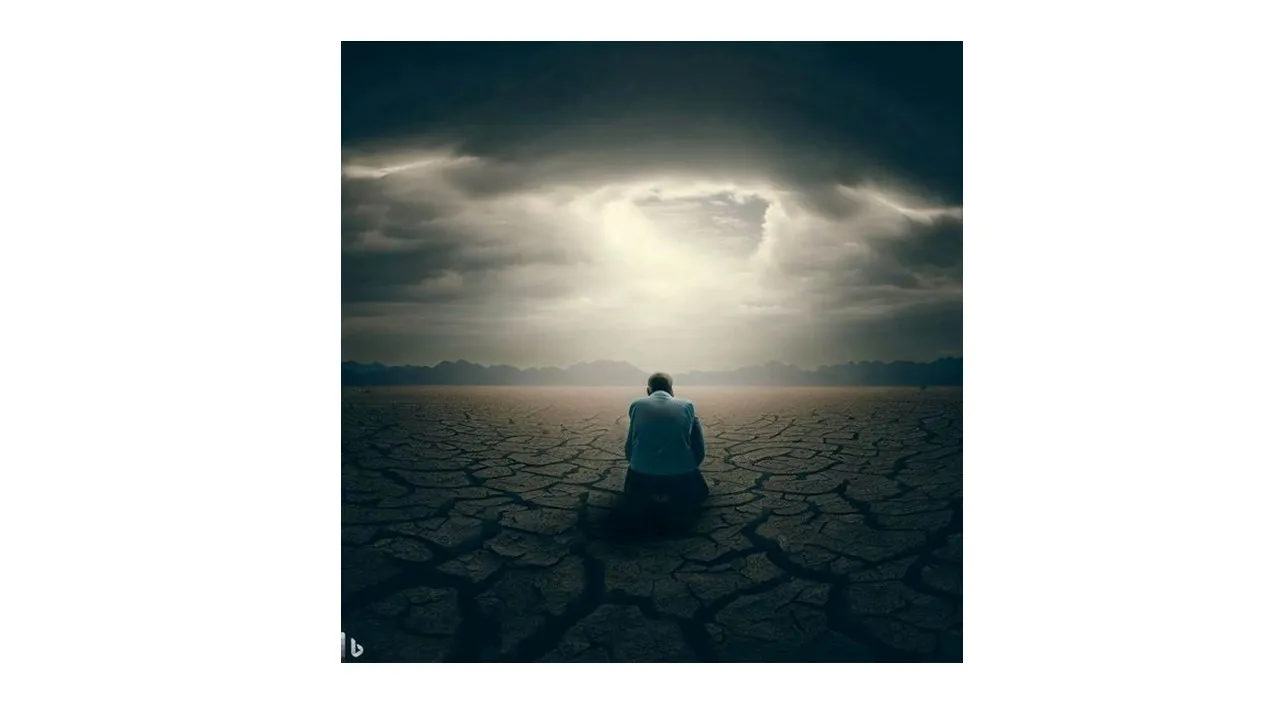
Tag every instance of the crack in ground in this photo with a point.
(850, 435)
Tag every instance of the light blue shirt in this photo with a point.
(665, 436)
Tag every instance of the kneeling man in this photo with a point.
(664, 448)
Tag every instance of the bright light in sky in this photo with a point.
(678, 206)
(670, 271)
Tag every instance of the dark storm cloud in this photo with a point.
(932, 247)
(922, 332)
(427, 247)
(927, 253)
(474, 222)
(859, 242)
(817, 113)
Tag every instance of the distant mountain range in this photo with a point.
(942, 372)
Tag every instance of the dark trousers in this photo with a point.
(688, 489)
(654, 506)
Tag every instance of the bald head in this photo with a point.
(660, 381)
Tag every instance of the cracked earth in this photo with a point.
(471, 528)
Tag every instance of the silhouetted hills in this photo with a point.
(946, 371)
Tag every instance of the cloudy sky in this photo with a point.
(692, 206)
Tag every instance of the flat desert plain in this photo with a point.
(471, 528)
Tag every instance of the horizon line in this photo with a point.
(614, 361)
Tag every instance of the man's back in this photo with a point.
(665, 436)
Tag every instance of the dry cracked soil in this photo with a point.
(471, 528)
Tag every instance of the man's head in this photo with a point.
(659, 382)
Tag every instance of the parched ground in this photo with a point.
(470, 528)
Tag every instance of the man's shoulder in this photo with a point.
(652, 400)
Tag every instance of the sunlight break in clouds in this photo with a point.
(666, 270)
(675, 205)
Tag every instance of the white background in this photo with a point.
(171, 288)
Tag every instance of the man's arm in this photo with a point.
(696, 443)
(631, 429)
